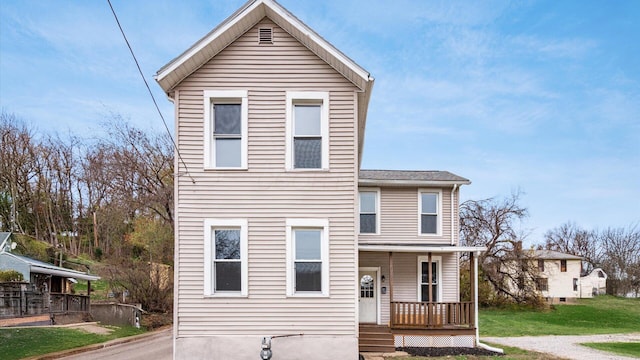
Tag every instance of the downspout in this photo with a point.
(475, 309)
(453, 237)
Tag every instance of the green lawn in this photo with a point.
(620, 348)
(24, 342)
(600, 315)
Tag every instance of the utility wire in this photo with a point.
(150, 93)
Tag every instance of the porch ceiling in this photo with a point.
(419, 248)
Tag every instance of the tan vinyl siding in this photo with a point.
(405, 277)
(399, 218)
(266, 195)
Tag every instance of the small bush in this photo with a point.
(11, 276)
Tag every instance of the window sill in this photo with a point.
(226, 295)
(309, 295)
(208, 169)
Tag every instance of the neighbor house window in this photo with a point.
(225, 257)
(429, 207)
(307, 253)
(540, 265)
(225, 128)
(575, 284)
(423, 278)
(542, 284)
(307, 116)
(563, 265)
(369, 212)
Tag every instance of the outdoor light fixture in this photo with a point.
(265, 353)
(382, 278)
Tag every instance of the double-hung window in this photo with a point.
(225, 257)
(307, 130)
(423, 278)
(563, 265)
(369, 212)
(225, 129)
(429, 208)
(307, 257)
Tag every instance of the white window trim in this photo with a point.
(439, 212)
(321, 97)
(209, 244)
(438, 261)
(378, 217)
(209, 149)
(292, 224)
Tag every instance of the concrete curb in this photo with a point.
(98, 346)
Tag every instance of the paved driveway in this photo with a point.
(566, 346)
(157, 347)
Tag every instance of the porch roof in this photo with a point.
(50, 269)
(419, 248)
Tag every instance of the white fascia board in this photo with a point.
(425, 249)
(369, 182)
(308, 32)
(205, 41)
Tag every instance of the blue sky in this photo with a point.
(537, 96)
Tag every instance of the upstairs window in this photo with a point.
(307, 130)
(225, 129)
(429, 207)
(563, 265)
(540, 265)
(369, 212)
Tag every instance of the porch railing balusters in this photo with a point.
(417, 315)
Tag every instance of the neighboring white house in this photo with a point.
(559, 275)
(280, 237)
(595, 283)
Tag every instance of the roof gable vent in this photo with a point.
(265, 36)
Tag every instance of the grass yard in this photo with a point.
(620, 348)
(600, 315)
(25, 342)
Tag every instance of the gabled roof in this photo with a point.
(50, 269)
(170, 75)
(553, 255)
(409, 178)
(243, 20)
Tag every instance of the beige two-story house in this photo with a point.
(283, 245)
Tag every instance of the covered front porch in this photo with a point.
(414, 292)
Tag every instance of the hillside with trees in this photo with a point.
(108, 199)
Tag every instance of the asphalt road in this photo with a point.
(157, 347)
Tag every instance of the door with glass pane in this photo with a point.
(368, 296)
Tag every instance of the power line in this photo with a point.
(150, 93)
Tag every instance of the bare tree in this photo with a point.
(621, 259)
(492, 223)
(569, 238)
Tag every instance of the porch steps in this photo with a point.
(375, 338)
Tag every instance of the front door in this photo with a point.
(368, 296)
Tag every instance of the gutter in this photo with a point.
(453, 237)
(475, 310)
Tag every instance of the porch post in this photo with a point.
(390, 276)
(392, 311)
(430, 299)
(475, 300)
(89, 295)
(472, 280)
